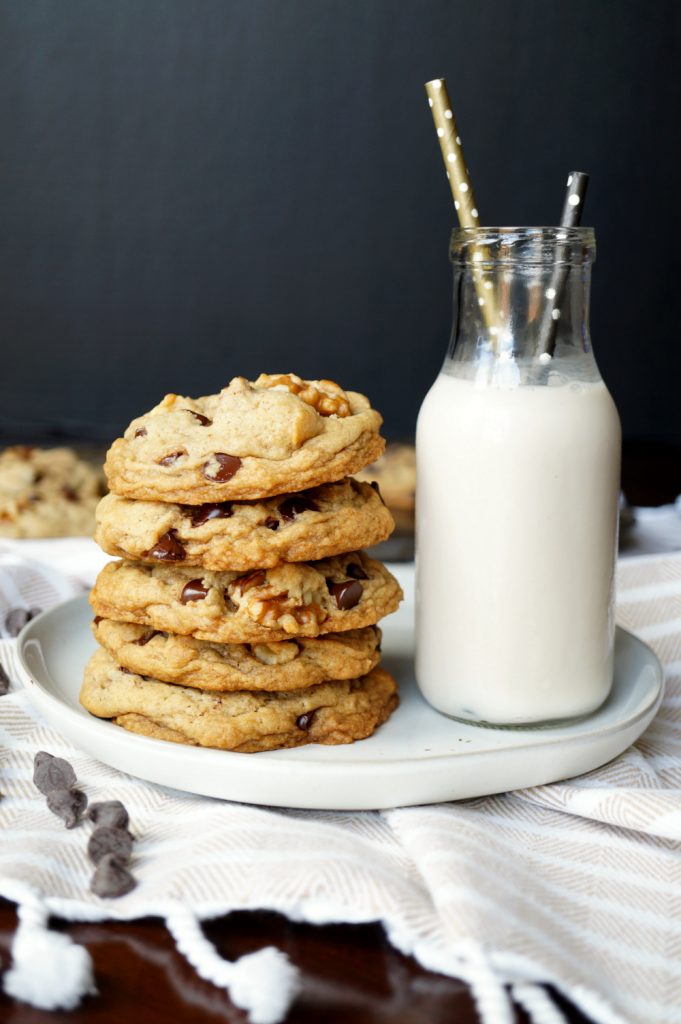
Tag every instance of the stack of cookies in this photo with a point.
(243, 613)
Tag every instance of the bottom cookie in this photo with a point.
(247, 722)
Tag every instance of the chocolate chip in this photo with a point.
(356, 571)
(51, 772)
(271, 523)
(97, 619)
(227, 467)
(67, 804)
(140, 432)
(111, 878)
(201, 514)
(146, 637)
(251, 579)
(168, 549)
(4, 682)
(193, 591)
(109, 839)
(293, 506)
(203, 420)
(69, 493)
(374, 484)
(305, 721)
(109, 812)
(16, 619)
(347, 593)
(171, 458)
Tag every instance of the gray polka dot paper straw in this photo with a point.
(461, 187)
(575, 194)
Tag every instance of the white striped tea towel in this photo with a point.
(576, 884)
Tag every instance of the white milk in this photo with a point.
(517, 532)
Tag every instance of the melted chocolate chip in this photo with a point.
(203, 420)
(227, 467)
(271, 523)
(354, 570)
(347, 593)
(146, 637)
(97, 619)
(171, 458)
(193, 591)
(305, 721)
(69, 493)
(140, 432)
(251, 579)
(111, 878)
(374, 484)
(168, 549)
(293, 506)
(200, 514)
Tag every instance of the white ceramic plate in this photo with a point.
(417, 757)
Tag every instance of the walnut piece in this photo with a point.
(325, 396)
(276, 654)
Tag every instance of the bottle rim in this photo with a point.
(527, 245)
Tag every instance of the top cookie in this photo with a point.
(47, 492)
(253, 440)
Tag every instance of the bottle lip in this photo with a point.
(540, 245)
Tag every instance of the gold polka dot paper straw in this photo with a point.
(461, 187)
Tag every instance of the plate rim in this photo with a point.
(546, 736)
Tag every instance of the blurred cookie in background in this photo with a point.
(395, 474)
(47, 492)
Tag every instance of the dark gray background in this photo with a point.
(191, 189)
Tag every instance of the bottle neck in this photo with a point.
(521, 300)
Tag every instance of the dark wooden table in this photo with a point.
(350, 973)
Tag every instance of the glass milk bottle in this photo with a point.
(518, 458)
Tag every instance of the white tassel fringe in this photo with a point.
(48, 970)
(263, 983)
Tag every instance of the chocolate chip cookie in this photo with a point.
(265, 605)
(334, 712)
(253, 440)
(245, 534)
(47, 492)
(283, 666)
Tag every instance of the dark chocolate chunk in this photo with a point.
(69, 493)
(271, 523)
(227, 467)
(201, 514)
(251, 579)
(111, 878)
(347, 593)
(193, 591)
(67, 804)
(51, 772)
(168, 548)
(294, 505)
(146, 637)
(171, 458)
(354, 570)
(203, 420)
(140, 432)
(109, 812)
(97, 619)
(109, 839)
(304, 721)
(4, 682)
